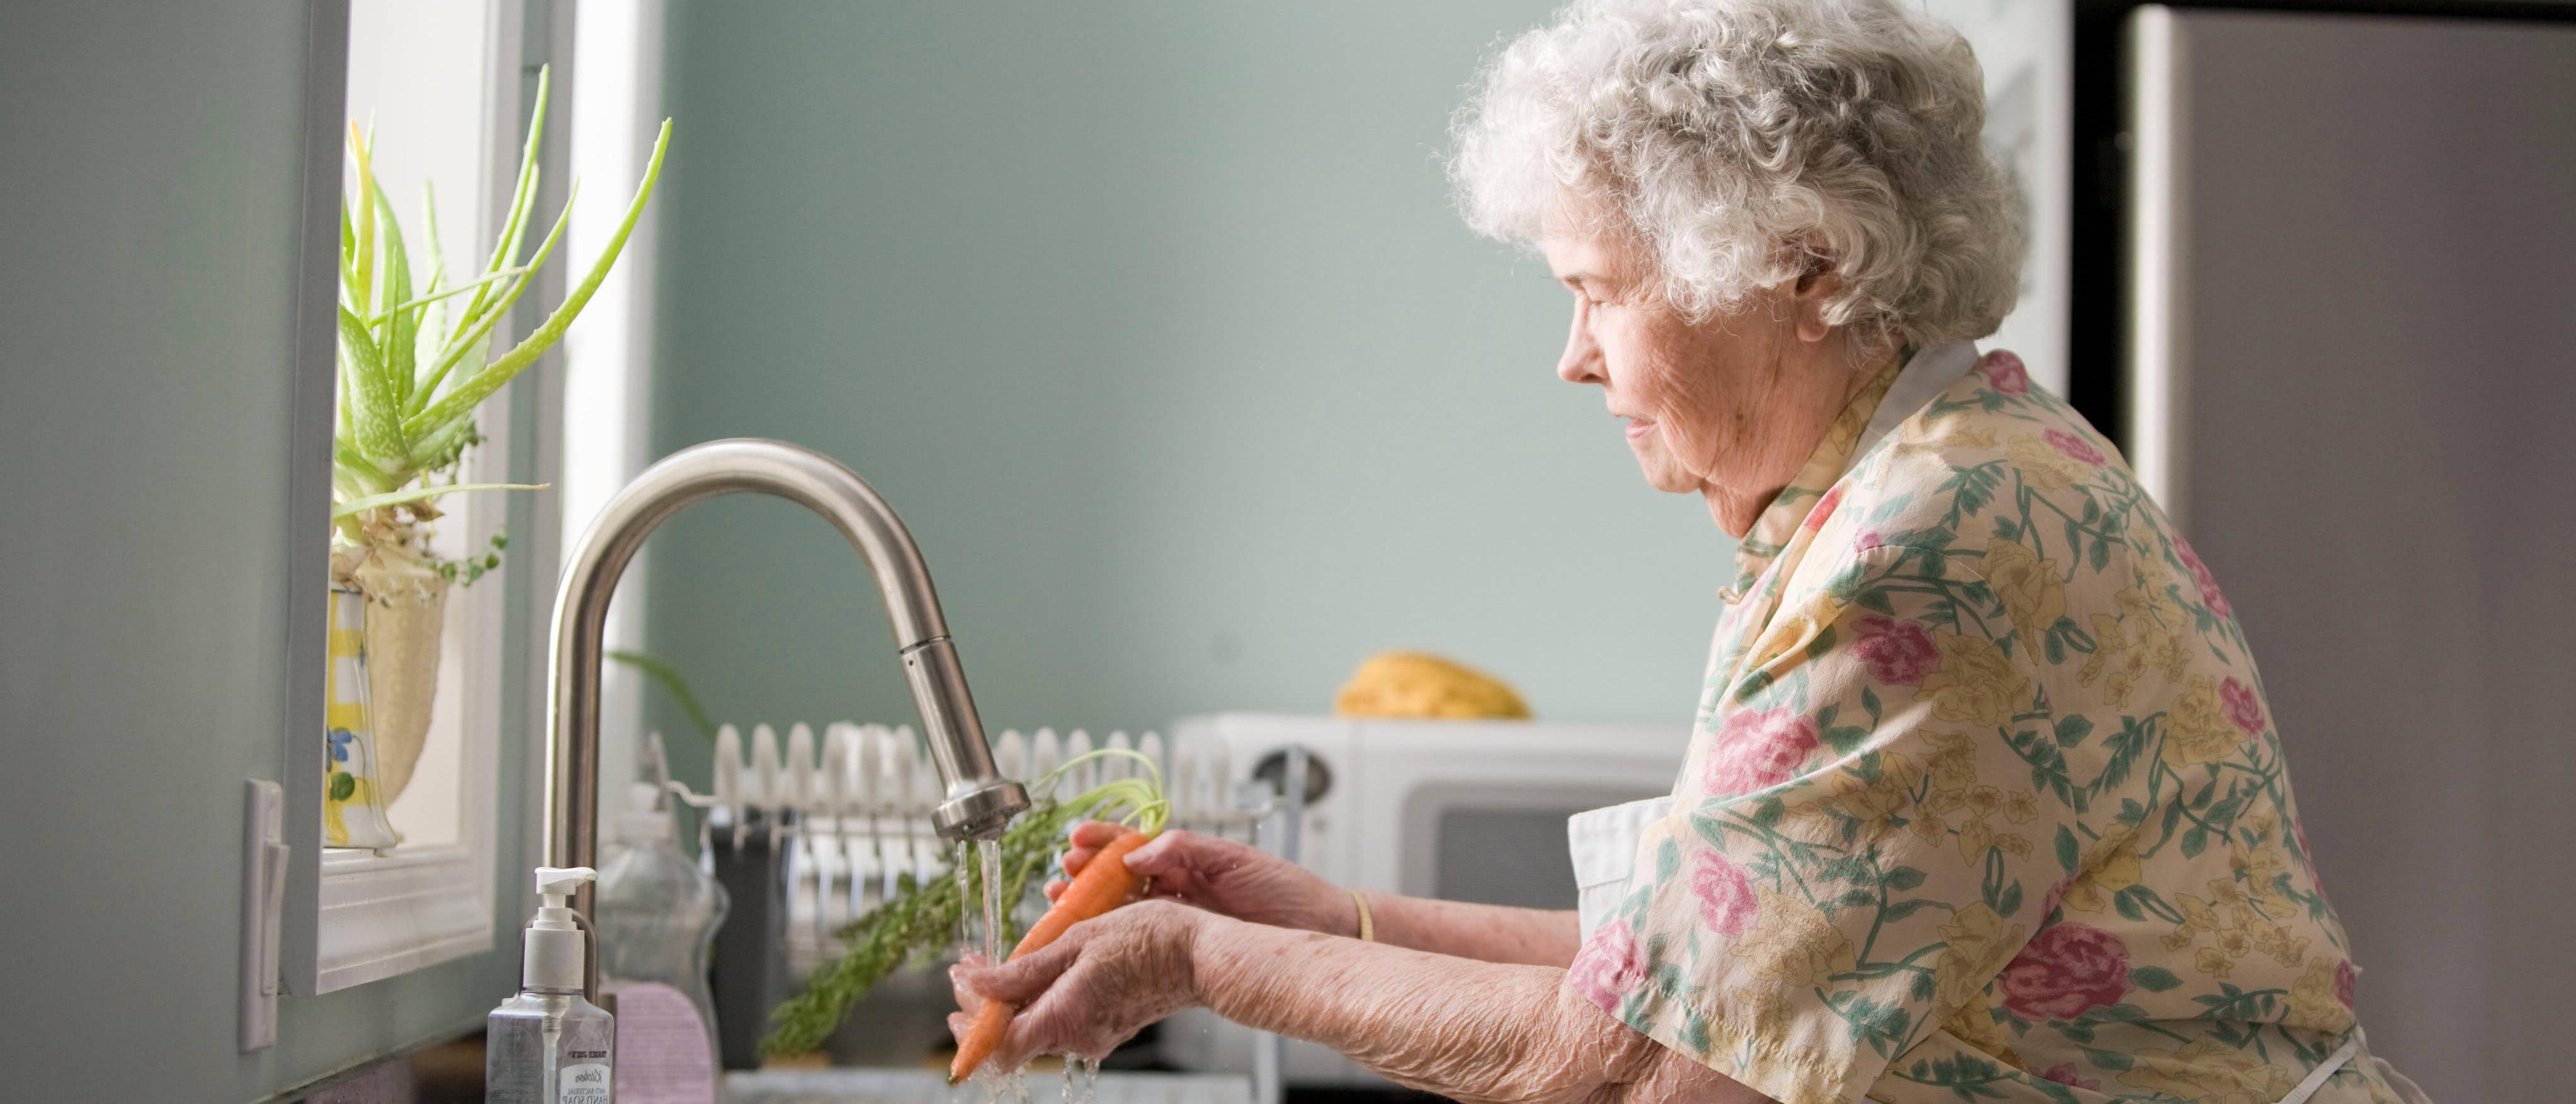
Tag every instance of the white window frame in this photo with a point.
(616, 109)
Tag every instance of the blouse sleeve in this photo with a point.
(1874, 811)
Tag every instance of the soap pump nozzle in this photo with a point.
(554, 956)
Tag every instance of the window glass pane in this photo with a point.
(420, 77)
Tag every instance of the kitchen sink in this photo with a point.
(902, 1086)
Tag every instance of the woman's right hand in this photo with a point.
(1222, 876)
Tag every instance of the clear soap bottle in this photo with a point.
(657, 916)
(549, 1045)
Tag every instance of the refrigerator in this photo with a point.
(2349, 374)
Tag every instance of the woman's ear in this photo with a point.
(1816, 283)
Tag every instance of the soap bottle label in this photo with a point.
(583, 1084)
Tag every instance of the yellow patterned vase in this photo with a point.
(353, 793)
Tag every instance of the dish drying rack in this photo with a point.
(809, 834)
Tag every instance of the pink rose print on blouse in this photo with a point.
(1824, 509)
(1609, 967)
(1759, 748)
(2242, 706)
(1725, 895)
(1868, 539)
(2004, 372)
(2065, 970)
(2074, 447)
(2064, 1074)
(1899, 653)
(2200, 576)
(2345, 976)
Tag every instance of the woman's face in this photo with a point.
(1729, 407)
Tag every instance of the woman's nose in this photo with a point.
(1582, 360)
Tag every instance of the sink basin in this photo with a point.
(901, 1086)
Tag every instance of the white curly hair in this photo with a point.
(1747, 141)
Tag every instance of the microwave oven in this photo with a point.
(1458, 810)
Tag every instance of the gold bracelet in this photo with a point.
(1368, 926)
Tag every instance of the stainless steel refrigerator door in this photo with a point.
(2353, 382)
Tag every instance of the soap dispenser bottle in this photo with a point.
(550, 1045)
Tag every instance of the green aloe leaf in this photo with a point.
(346, 458)
(363, 269)
(429, 218)
(523, 198)
(348, 255)
(432, 302)
(500, 371)
(399, 331)
(396, 498)
(372, 410)
(438, 293)
(470, 344)
(427, 453)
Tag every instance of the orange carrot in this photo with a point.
(1103, 885)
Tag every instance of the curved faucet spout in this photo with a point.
(978, 802)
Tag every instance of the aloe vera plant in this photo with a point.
(414, 345)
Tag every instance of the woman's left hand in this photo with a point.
(1094, 988)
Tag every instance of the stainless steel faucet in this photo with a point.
(979, 803)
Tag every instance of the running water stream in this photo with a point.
(989, 852)
(1081, 1079)
(1081, 1075)
(997, 1087)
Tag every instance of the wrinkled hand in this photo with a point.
(1224, 877)
(1090, 990)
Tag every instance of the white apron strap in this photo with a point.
(2316, 1078)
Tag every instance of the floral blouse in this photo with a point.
(1983, 801)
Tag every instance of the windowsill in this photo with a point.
(391, 913)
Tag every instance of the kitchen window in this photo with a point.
(445, 91)
(439, 89)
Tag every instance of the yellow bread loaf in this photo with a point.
(1417, 684)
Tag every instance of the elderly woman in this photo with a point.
(1982, 801)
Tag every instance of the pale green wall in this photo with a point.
(1155, 322)
(150, 155)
